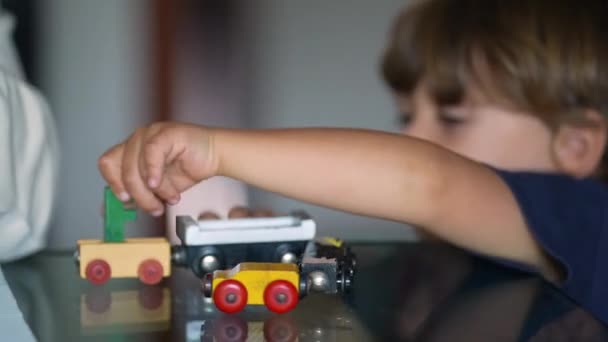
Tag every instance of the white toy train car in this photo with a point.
(209, 245)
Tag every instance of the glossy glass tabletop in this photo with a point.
(408, 291)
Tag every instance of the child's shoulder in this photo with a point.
(560, 210)
(555, 179)
(567, 217)
(557, 198)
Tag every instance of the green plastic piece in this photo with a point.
(116, 215)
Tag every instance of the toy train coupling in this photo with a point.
(330, 270)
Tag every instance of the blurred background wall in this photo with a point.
(110, 66)
(315, 63)
(93, 59)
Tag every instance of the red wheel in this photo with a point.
(280, 296)
(150, 272)
(98, 271)
(230, 296)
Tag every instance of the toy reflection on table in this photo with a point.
(127, 311)
(236, 329)
(308, 324)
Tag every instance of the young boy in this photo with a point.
(502, 104)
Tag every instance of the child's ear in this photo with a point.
(578, 149)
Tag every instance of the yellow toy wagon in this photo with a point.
(148, 259)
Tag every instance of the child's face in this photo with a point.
(480, 130)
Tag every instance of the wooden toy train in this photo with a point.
(148, 259)
(271, 261)
(211, 245)
(279, 286)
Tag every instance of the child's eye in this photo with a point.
(451, 119)
(404, 119)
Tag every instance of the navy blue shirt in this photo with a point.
(568, 219)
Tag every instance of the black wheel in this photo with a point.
(287, 253)
(206, 260)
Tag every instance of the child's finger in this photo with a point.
(157, 153)
(208, 215)
(133, 181)
(262, 213)
(110, 166)
(167, 191)
(239, 212)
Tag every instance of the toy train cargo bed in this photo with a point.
(297, 227)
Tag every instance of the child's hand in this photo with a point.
(158, 162)
(238, 212)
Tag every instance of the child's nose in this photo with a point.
(421, 130)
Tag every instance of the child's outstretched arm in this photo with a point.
(365, 172)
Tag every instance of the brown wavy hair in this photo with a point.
(547, 57)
